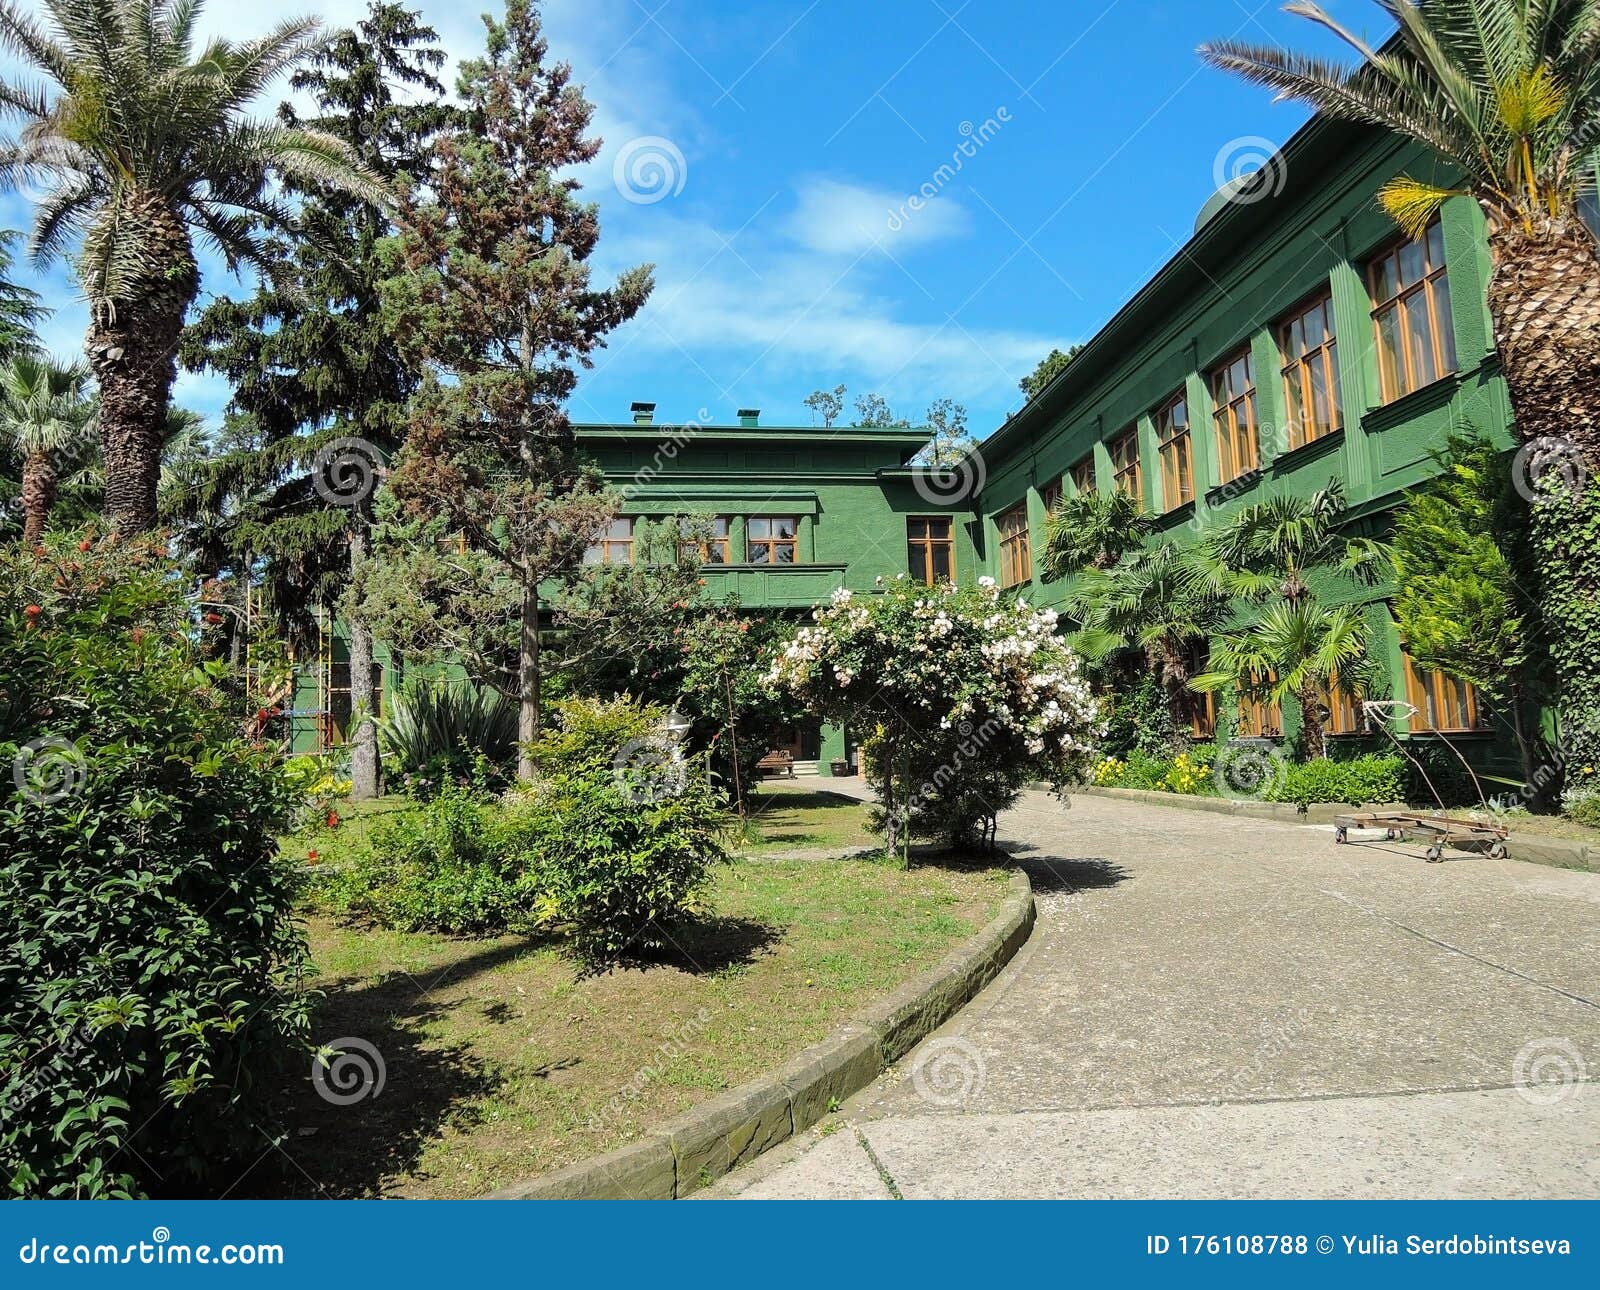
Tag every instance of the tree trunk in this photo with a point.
(1544, 297)
(363, 697)
(528, 682)
(1311, 740)
(131, 344)
(38, 495)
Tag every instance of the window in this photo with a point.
(1345, 716)
(1411, 314)
(1233, 395)
(930, 549)
(1442, 703)
(1203, 707)
(1050, 495)
(1177, 463)
(713, 548)
(1259, 717)
(770, 539)
(340, 711)
(1083, 474)
(1125, 476)
(1310, 372)
(1016, 561)
(1589, 210)
(613, 544)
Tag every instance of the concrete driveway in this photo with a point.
(1213, 1007)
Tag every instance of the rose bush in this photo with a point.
(960, 695)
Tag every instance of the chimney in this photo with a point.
(643, 413)
(749, 418)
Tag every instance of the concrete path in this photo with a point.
(1236, 1008)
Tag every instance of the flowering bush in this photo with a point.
(963, 695)
(1108, 772)
(1187, 775)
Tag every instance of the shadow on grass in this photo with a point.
(702, 946)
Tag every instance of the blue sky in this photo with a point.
(776, 145)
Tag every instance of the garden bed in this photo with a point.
(501, 1061)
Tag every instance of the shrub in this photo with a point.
(1370, 778)
(1139, 719)
(588, 734)
(150, 989)
(1582, 806)
(438, 732)
(1188, 775)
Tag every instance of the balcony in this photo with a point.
(776, 586)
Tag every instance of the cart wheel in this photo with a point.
(1498, 851)
(1435, 853)
(1341, 835)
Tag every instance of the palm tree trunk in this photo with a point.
(363, 705)
(1312, 742)
(1544, 297)
(38, 494)
(131, 344)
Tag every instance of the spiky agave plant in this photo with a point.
(444, 722)
(140, 145)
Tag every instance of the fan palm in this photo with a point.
(1507, 93)
(47, 416)
(140, 147)
(1092, 530)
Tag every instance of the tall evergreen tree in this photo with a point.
(311, 360)
(492, 289)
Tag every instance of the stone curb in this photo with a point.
(1562, 853)
(706, 1142)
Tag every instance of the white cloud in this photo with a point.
(836, 218)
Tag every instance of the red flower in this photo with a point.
(213, 618)
(33, 611)
(84, 545)
(311, 856)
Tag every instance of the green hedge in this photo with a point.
(1370, 778)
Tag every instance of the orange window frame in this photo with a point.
(1082, 474)
(1259, 718)
(926, 536)
(1175, 448)
(1309, 344)
(613, 544)
(1126, 473)
(770, 542)
(1424, 299)
(1345, 716)
(1016, 557)
(1437, 696)
(1233, 398)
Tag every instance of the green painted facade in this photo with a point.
(1251, 261)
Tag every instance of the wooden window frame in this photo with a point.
(1297, 372)
(1082, 473)
(721, 543)
(1203, 718)
(1172, 443)
(1401, 304)
(1126, 445)
(1345, 714)
(1259, 718)
(771, 545)
(607, 543)
(1016, 555)
(1050, 494)
(927, 544)
(1423, 685)
(1235, 417)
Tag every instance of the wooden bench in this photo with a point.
(777, 762)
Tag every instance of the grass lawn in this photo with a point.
(793, 815)
(501, 1061)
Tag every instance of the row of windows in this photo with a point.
(1444, 706)
(1415, 345)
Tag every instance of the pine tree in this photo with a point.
(492, 290)
(319, 383)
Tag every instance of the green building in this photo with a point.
(1294, 338)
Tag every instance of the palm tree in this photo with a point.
(143, 145)
(1092, 530)
(1275, 559)
(47, 416)
(1507, 93)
